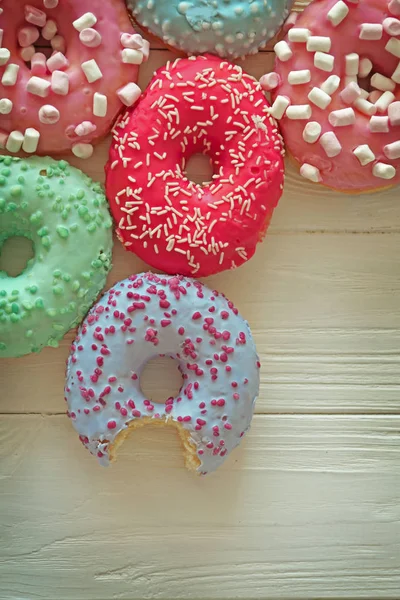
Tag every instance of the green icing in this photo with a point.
(65, 214)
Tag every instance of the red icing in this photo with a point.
(170, 222)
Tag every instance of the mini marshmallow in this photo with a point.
(31, 140)
(15, 141)
(270, 81)
(350, 93)
(352, 62)
(394, 7)
(364, 154)
(337, 13)
(374, 96)
(342, 117)
(27, 53)
(85, 21)
(27, 36)
(91, 70)
(48, 114)
(392, 151)
(90, 37)
(50, 3)
(57, 62)
(38, 64)
(298, 34)
(330, 85)
(380, 82)
(350, 79)
(10, 75)
(35, 16)
(324, 61)
(132, 57)
(58, 43)
(319, 97)
(6, 106)
(60, 83)
(371, 31)
(318, 43)
(129, 94)
(85, 128)
(133, 41)
(365, 107)
(393, 46)
(279, 107)
(4, 56)
(391, 26)
(299, 77)
(311, 132)
(396, 74)
(365, 67)
(364, 94)
(145, 49)
(99, 105)
(49, 30)
(379, 124)
(309, 172)
(383, 102)
(330, 144)
(283, 51)
(82, 150)
(383, 171)
(38, 86)
(394, 114)
(299, 112)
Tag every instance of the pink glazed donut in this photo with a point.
(69, 100)
(337, 95)
(149, 315)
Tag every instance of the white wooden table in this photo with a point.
(308, 506)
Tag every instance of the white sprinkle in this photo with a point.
(342, 117)
(86, 20)
(299, 111)
(299, 77)
(337, 13)
(364, 154)
(91, 70)
(323, 61)
(6, 106)
(10, 75)
(318, 43)
(311, 132)
(383, 171)
(365, 67)
(319, 97)
(309, 172)
(283, 51)
(298, 34)
(31, 140)
(330, 85)
(15, 141)
(99, 105)
(82, 150)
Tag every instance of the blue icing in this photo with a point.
(224, 27)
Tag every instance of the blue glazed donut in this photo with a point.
(224, 27)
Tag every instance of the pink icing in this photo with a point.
(344, 171)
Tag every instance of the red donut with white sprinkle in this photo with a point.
(68, 100)
(196, 105)
(149, 315)
(336, 91)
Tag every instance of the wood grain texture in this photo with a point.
(306, 508)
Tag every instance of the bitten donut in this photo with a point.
(229, 29)
(150, 315)
(337, 95)
(69, 100)
(195, 105)
(65, 215)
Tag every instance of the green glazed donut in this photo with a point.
(65, 215)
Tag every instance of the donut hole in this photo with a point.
(199, 169)
(161, 379)
(16, 252)
(27, 47)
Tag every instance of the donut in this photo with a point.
(69, 100)
(336, 93)
(228, 29)
(195, 105)
(65, 215)
(149, 315)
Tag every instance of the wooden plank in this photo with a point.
(325, 315)
(306, 508)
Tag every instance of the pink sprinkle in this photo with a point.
(111, 424)
(224, 314)
(227, 426)
(136, 413)
(196, 316)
